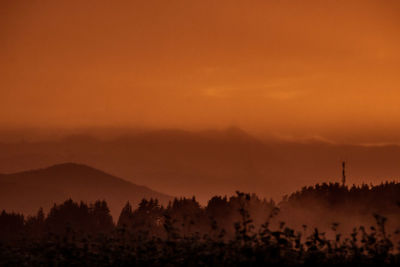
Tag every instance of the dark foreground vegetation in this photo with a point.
(242, 230)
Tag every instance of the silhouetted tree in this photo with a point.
(126, 216)
(35, 225)
(11, 226)
(100, 217)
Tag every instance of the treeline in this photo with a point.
(324, 204)
(384, 197)
(184, 214)
(239, 230)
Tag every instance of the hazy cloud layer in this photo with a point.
(291, 68)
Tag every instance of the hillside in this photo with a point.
(27, 191)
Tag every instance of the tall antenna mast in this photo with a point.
(343, 173)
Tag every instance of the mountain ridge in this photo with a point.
(210, 162)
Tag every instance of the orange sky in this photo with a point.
(287, 68)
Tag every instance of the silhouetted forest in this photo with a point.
(241, 230)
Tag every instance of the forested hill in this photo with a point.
(325, 204)
(384, 197)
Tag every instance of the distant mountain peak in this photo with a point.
(236, 131)
(232, 133)
(71, 169)
(70, 166)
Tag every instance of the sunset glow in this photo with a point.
(286, 68)
(199, 133)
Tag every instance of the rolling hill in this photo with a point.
(28, 190)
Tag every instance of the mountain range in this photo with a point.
(208, 163)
